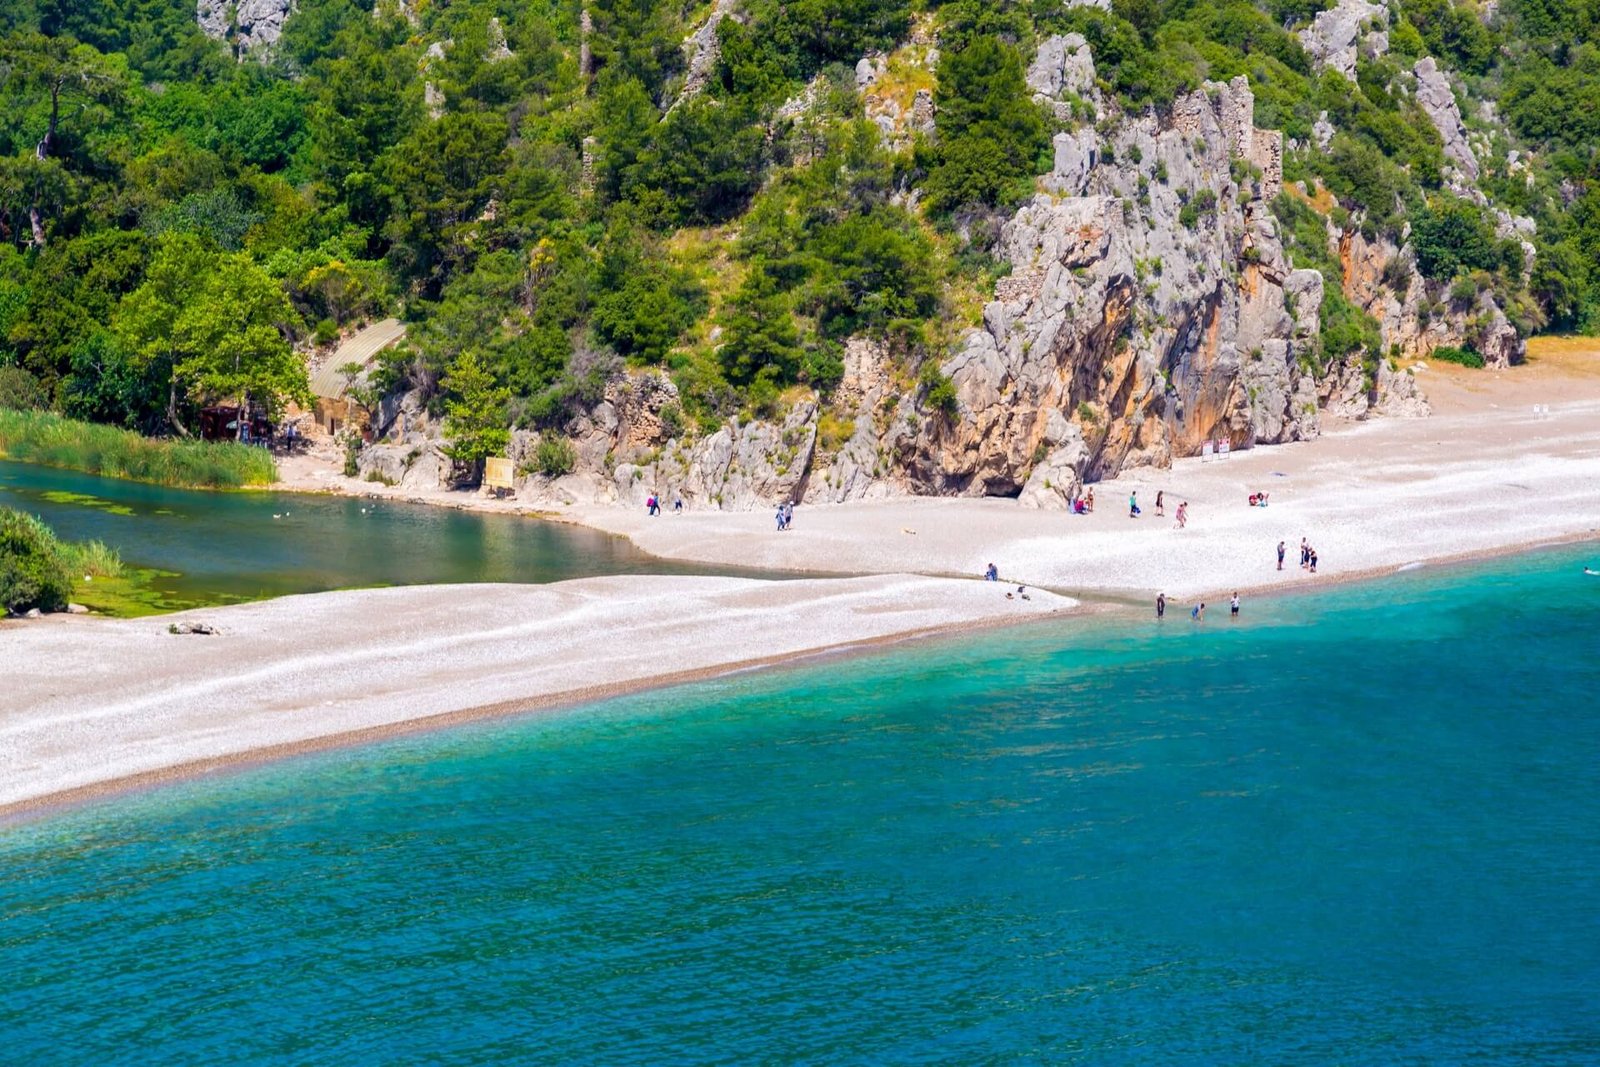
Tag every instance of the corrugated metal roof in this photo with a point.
(362, 347)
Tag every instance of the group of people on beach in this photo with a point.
(785, 515)
(653, 505)
(1134, 511)
(1198, 612)
(1308, 556)
(1083, 504)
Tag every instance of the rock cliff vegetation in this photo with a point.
(814, 250)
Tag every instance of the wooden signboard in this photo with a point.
(497, 473)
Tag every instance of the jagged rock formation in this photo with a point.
(248, 25)
(1149, 309)
(1416, 320)
(704, 49)
(1437, 100)
(1337, 36)
(627, 450)
(498, 48)
(1146, 329)
(1064, 64)
(432, 95)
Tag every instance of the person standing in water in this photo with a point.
(1280, 555)
(1233, 605)
(1198, 612)
(1161, 605)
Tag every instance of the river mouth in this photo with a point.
(187, 548)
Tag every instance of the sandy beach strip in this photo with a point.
(1482, 476)
(94, 705)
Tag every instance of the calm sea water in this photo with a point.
(1358, 827)
(220, 547)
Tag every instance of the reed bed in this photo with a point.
(40, 437)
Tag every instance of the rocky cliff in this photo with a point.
(1147, 305)
(247, 25)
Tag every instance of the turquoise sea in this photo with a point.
(1360, 826)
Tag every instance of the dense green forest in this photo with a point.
(178, 226)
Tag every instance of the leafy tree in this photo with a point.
(73, 81)
(877, 271)
(443, 176)
(759, 335)
(105, 383)
(231, 340)
(72, 291)
(1453, 236)
(216, 325)
(704, 161)
(643, 304)
(627, 121)
(475, 414)
(991, 132)
(20, 391)
(636, 39)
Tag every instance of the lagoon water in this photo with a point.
(1356, 827)
(202, 548)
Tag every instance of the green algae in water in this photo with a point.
(143, 591)
(84, 500)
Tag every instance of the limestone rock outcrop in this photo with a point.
(1064, 63)
(704, 49)
(1437, 100)
(248, 25)
(1422, 316)
(1149, 308)
(1338, 36)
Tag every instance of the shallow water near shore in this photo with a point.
(187, 548)
(1357, 826)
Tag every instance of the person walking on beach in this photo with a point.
(1233, 605)
(1183, 514)
(1280, 555)
(1161, 605)
(1313, 560)
(652, 506)
(1133, 504)
(1088, 500)
(1198, 612)
(1161, 508)
(1305, 553)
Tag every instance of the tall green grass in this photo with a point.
(93, 559)
(40, 437)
